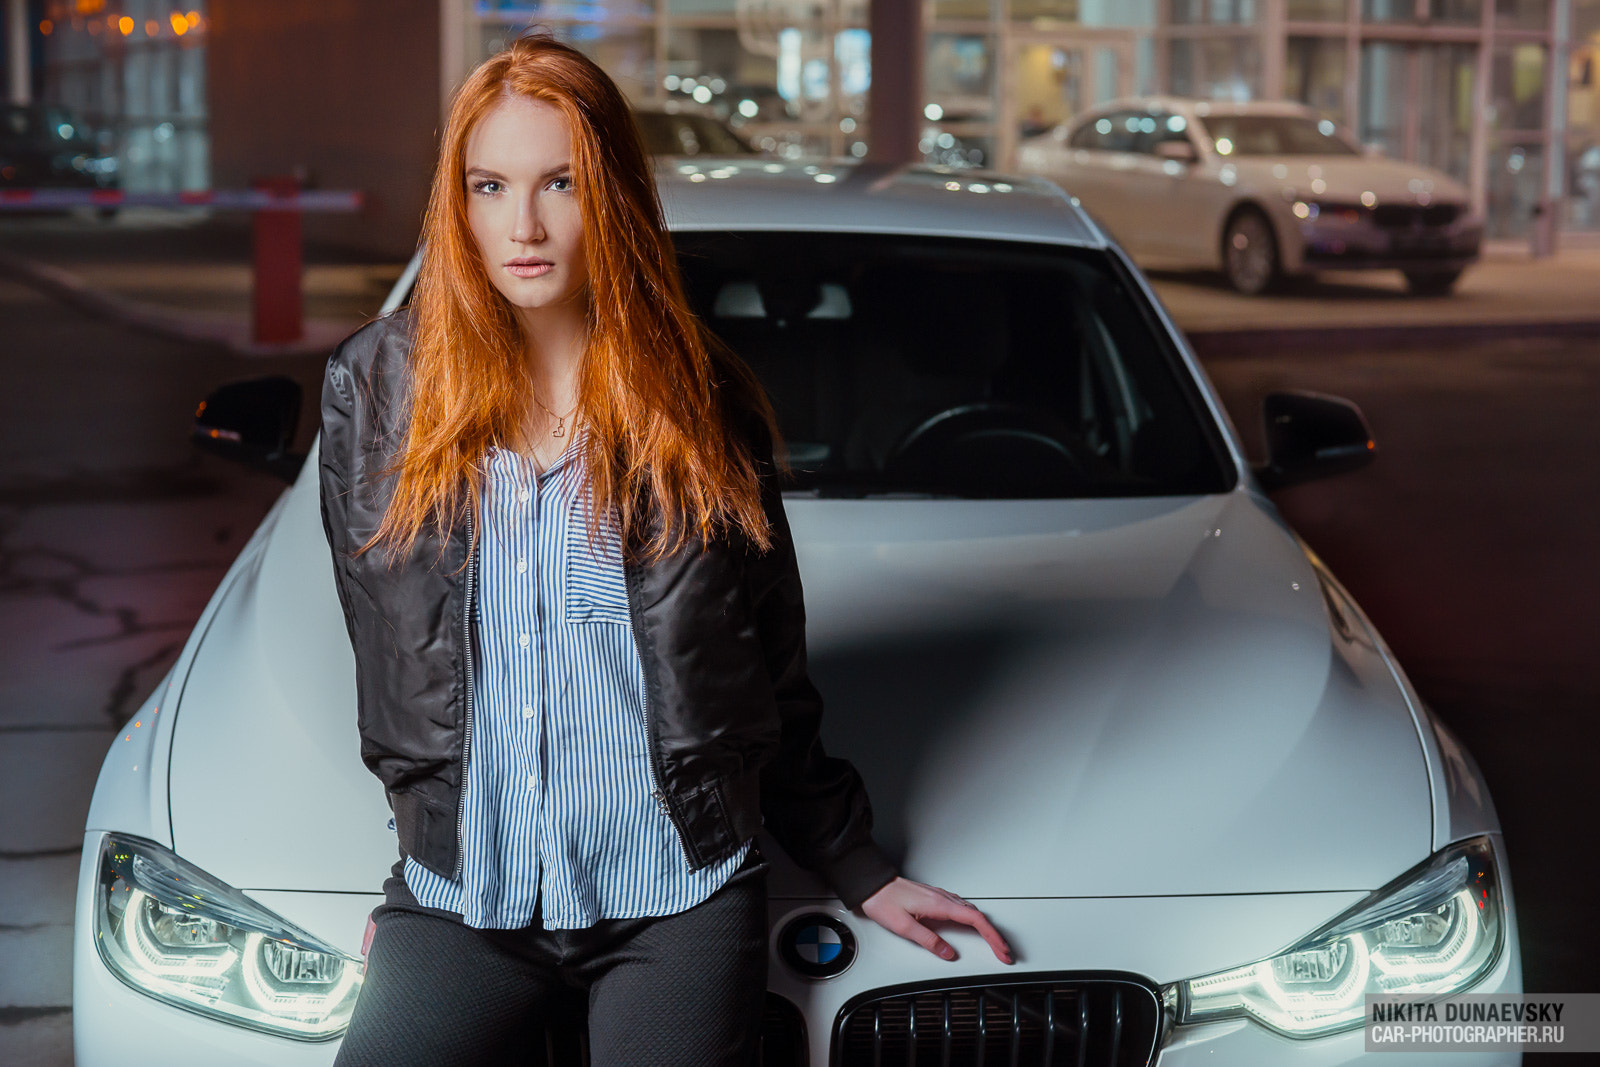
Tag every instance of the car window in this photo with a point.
(1156, 127)
(19, 123)
(688, 135)
(1276, 135)
(954, 367)
(48, 128)
(1116, 132)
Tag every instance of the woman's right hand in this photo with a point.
(899, 906)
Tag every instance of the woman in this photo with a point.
(579, 632)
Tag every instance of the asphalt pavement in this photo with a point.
(1470, 541)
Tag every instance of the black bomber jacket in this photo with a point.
(732, 714)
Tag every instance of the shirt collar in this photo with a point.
(569, 454)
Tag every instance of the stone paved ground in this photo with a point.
(113, 533)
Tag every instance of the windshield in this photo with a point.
(688, 135)
(1276, 135)
(47, 125)
(954, 367)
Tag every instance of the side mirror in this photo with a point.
(1312, 435)
(252, 422)
(1182, 151)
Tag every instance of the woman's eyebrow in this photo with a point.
(485, 172)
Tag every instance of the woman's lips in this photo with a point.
(528, 269)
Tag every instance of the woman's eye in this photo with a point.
(486, 187)
(562, 184)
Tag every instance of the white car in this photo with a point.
(1093, 681)
(1259, 190)
(680, 128)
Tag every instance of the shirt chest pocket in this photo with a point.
(597, 588)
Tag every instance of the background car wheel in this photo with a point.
(1431, 282)
(1250, 252)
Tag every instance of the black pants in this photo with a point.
(678, 989)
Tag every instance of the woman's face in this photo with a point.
(521, 204)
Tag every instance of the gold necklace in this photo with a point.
(561, 420)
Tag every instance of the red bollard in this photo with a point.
(279, 314)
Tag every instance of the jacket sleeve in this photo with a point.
(814, 804)
(347, 421)
(334, 449)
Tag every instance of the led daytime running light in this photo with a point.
(1381, 946)
(174, 933)
(308, 1011)
(139, 939)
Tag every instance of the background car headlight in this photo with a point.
(1435, 931)
(175, 933)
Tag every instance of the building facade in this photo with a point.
(1476, 88)
(1501, 94)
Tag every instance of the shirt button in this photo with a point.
(523, 496)
(522, 566)
(522, 640)
(527, 711)
(533, 781)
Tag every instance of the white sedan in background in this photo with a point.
(1094, 683)
(1260, 190)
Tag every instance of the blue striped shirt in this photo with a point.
(558, 805)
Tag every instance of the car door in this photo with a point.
(1171, 190)
(1099, 154)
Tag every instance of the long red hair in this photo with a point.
(659, 395)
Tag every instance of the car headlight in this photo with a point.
(175, 933)
(1435, 931)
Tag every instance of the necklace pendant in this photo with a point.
(561, 428)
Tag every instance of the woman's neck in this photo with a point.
(556, 336)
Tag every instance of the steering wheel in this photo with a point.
(990, 449)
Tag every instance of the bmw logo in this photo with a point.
(817, 945)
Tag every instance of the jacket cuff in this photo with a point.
(859, 873)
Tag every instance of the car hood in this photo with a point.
(1092, 697)
(1347, 177)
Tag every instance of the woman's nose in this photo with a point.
(527, 226)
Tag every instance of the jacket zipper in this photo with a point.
(650, 737)
(466, 738)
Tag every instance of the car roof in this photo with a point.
(843, 195)
(1201, 108)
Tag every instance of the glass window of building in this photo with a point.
(792, 76)
(1522, 14)
(132, 75)
(1583, 119)
(1446, 78)
(1316, 10)
(1390, 10)
(1215, 68)
(1315, 73)
(1516, 187)
(1201, 12)
(1517, 88)
(1456, 12)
